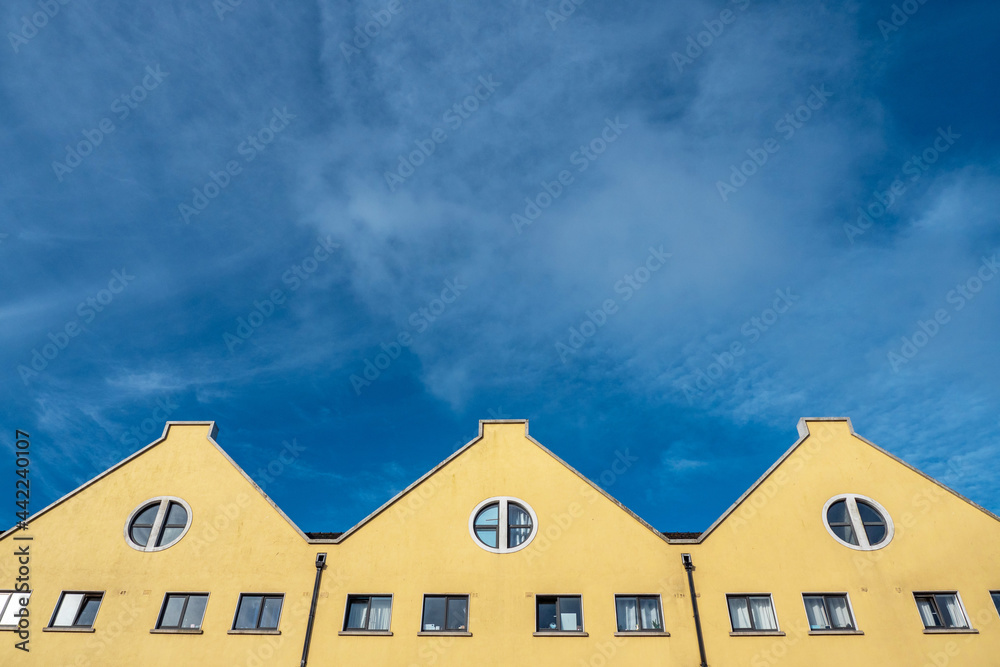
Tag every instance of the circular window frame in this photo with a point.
(164, 503)
(856, 521)
(503, 502)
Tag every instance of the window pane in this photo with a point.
(379, 618)
(927, 613)
(628, 617)
(996, 601)
(547, 613)
(517, 516)
(172, 611)
(195, 611)
(67, 610)
(13, 607)
(434, 613)
(650, 614)
(357, 614)
(875, 533)
(140, 535)
(868, 513)
(89, 613)
(272, 610)
(169, 535)
(845, 533)
(458, 613)
(177, 516)
(517, 536)
(816, 613)
(570, 614)
(763, 613)
(488, 536)
(739, 614)
(951, 610)
(840, 613)
(246, 615)
(147, 516)
(489, 516)
(838, 513)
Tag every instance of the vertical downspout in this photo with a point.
(689, 566)
(320, 563)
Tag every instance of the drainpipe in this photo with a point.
(689, 566)
(320, 564)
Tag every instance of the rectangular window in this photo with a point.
(76, 610)
(258, 612)
(445, 613)
(638, 613)
(941, 611)
(828, 612)
(182, 611)
(752, 613)
(368, 612)
(10, 608)
(559, 613)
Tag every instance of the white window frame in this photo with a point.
(502, 527)
(753, 631)
(74, 628)
(14, 595)
(944, 629)
(161, 516)
(857, 523)
(850, 609)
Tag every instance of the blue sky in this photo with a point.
(636, 224)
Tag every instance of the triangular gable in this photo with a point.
(482, 422)
(803, 430)
(212, 432)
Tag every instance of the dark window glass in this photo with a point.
(445, 613)
(559, 613)
(143, 524)
(840, 522)
(182, 611)
(258, 612)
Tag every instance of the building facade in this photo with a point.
(841, 554)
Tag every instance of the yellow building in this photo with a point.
(841, 554)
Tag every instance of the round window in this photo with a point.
(857, 522)
(158, 523)
(502, 524)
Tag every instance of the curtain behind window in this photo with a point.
(380, 614)
(763, 614)
(627, 618)
(739, 613)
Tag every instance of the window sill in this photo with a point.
(365, 633)
(560, 633)
(757, 633)
(835, 632)
(254, 632)
(951, 631)
(642, 633)
(444, 633)
(67, 629)
(178, 631)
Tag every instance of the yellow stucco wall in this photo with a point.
(773, 542)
